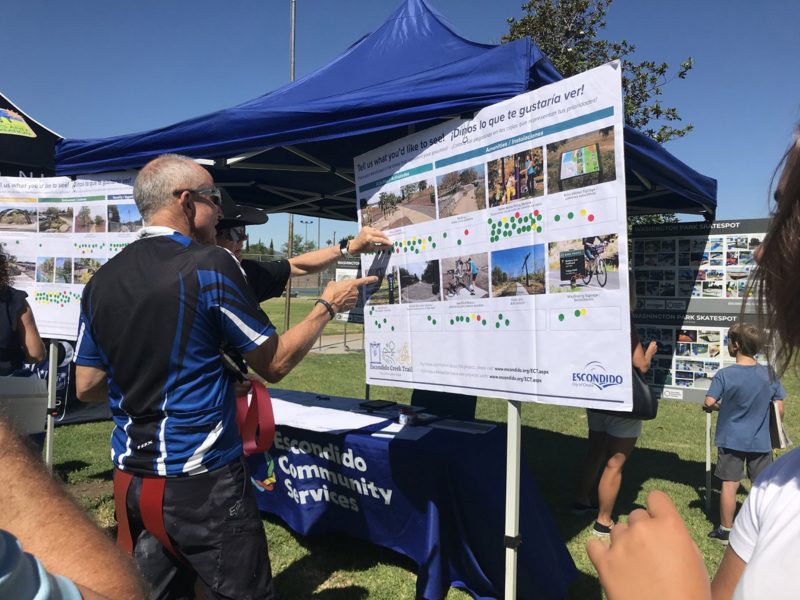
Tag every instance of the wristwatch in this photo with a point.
(343, 249)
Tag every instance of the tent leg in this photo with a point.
(512, 539)
(52, 379)
(708, 463)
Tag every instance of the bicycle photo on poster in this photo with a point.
(592, 261)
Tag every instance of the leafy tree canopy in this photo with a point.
(567, 31)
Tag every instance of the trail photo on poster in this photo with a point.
(509, 244)
(56, 234)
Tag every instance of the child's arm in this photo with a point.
(711, 403)
(780, 408)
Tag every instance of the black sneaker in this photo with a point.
(601, 530)
(584, 509)
(720, 535)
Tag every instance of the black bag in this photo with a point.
(645, 404)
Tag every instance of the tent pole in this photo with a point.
(288, 305)
(708, 463)
(52, 379)
(512, 538)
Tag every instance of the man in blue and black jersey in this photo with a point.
(152, 323)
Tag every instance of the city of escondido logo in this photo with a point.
(595, 374)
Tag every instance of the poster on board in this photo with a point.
(691, 282)
(507, 275)
(56, 233)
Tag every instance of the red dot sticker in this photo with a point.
(479, 317)
(516, 215)
(591, 218)
(398, 250)
(62, 306)
(466, 232)
(536, 213)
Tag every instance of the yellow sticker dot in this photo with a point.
(583, 311)
(583, 212)
(505, 219)
(414, 238)
(473, 315)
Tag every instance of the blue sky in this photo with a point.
(510, 261)
(96, 68)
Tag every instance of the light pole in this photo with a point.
(306, 223)
(287, 305)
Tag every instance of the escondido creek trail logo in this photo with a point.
(594, 373)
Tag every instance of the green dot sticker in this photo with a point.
(434, 244)
(508, 322)
(452, 322)
(444, 235)
(384, 320)
(429, 317)
(561, 317)
(500, 317)
(434, 321)
(430, 238)
(489, 221)
(539, 218)
(497, 325)
(459, 242)
(577, 313)
(483, 322)
(467, 319)
(557, 218)
(570, 215)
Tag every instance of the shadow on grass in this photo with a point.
(554, 458)
(302, 578)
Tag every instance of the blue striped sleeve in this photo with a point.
(226, 294)
(87, 353)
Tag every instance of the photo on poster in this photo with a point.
(518, 271)
(386, 290)
(465, 276)
(516, 177)
(461, 192)
(666, 289)
(668, 245)
(420, 282)
(63, 270)
(90, 218)
(56, 219)
(14, 218)
(21, 268)
(45, 270)
(738, 242)
(666, 259)
(124, 218)
(581, 161)
(590, 262)
(712, 289)
(715, 259)
(399, 204)
(687, 335)
(709, 336)
(84, 268)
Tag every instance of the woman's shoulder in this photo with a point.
(15, 298)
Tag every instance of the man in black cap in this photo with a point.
(268, 279)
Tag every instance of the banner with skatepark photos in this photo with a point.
(691, 282)
(488, 288)
(56, 233)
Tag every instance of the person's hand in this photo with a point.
(242, 388)
(652, 556)
(369, 240)
(343, 295)
(652, 348)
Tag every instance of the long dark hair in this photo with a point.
(5, 275)
(777, 278)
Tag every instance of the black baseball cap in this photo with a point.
(235, 215)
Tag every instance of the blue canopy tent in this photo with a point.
(292, 150)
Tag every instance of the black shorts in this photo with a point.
(213, 521)
(731, 463)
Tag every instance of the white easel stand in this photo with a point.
(52, 378)
(512, 538)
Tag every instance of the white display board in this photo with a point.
(490, 287)
(57, 232)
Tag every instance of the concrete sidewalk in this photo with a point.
(334, 344)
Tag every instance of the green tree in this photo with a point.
(113, 213)
(449, 182)
(497, 275)
(98, 220)
(409, 190)
(84, 214)
(298, 246)
(567, 32)
(271, 249)
(258, 248)
(468, 176)
(431, 272)
(422, 185)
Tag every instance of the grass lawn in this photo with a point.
(670, 456)
(300, 309)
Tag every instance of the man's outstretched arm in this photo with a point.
(368, 240)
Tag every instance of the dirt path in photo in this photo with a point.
(419, 292)
(463, 293)
(467, 203)
(419, 214)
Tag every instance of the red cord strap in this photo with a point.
(256, 422)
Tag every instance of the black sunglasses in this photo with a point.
(233, 234)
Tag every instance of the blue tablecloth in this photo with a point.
(439, 500)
